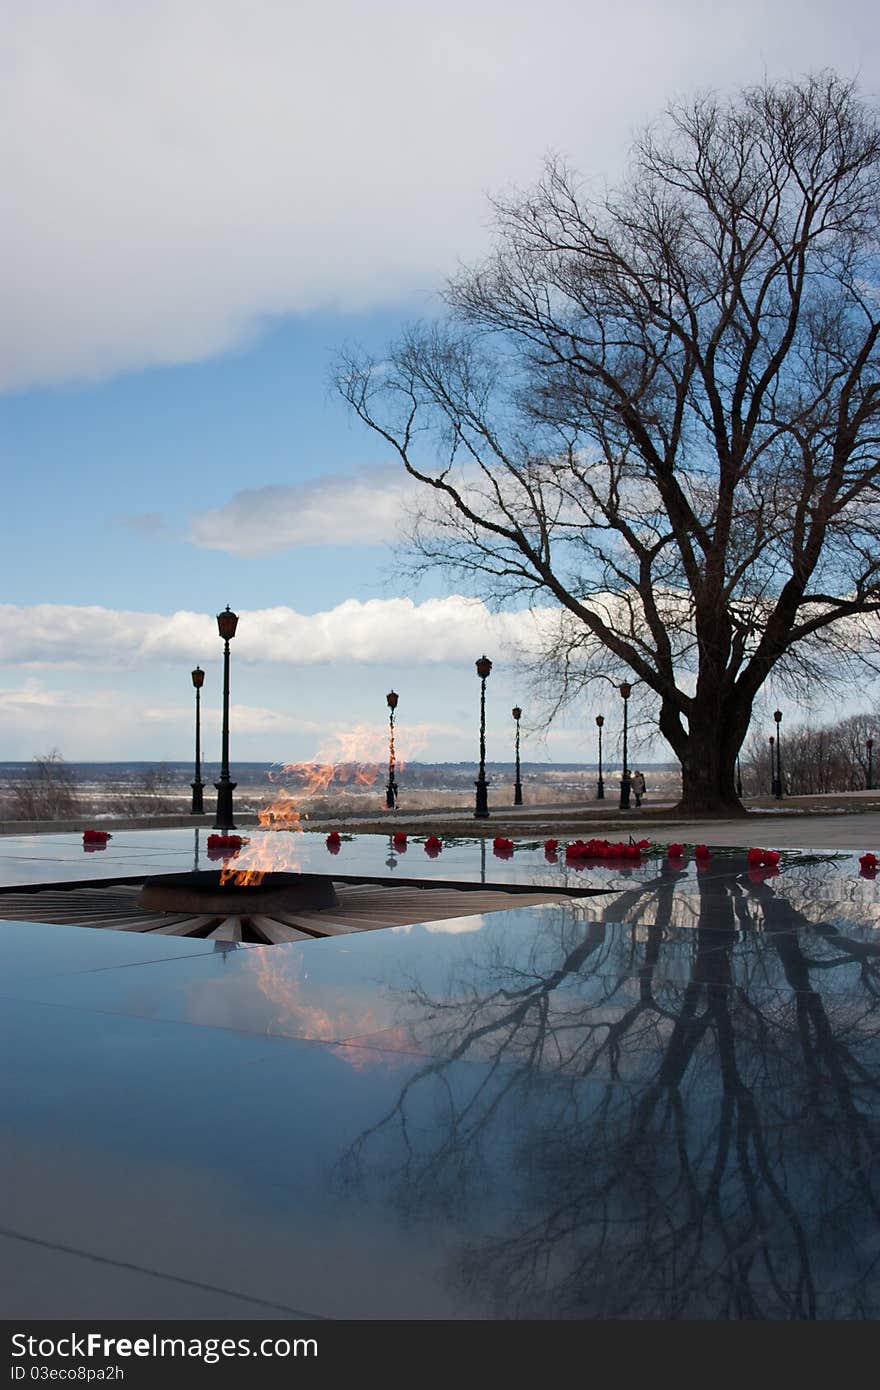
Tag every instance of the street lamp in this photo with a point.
(227, 622)
(198, 800)
(517, 786)
(481, 809)
(626, 690)
(739, 779)
(391, 789)
(869, 749)
(772, 767)
(600, 785)
(777, 790)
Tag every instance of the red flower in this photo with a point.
(755, 856)
(643, 844)
(869, 865)
(551, 846)
(770, 858)
(225, 842)
(676, 851)
(333, 841)
(580, 851)
(96, 837)
(702, 852)
(758, 875)
(399, 840)
(433, 845)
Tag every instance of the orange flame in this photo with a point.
(354, 757)
(282, 985)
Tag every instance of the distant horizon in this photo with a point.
(266, 763)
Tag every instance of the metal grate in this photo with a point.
(361, 907)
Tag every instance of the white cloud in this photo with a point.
(365, 508)
(176, 173)
(455, 925)
(373, 631)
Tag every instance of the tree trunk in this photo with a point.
(708, 773)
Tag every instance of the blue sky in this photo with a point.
(204, 203)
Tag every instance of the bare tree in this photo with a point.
(149, 793)
(684, 1106)
(46, 791)
(658, 411)
(828, 758)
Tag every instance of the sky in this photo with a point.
(205, 200)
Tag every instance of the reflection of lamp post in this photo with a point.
(869, 749)
(517, 786)
(777, 789)
(772, 767)
(198, 801)
(391, 789)
(481, 809)
(227, 622)
(626, 690)
(600, 785)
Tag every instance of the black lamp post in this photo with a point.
(869, 749)
(481, 808)
(777, 788)
(739, 779)
(227, 622)
(772, 767)
(198, 801)
(626, 690)
(517, 786)
(600, 785)
(391, 789)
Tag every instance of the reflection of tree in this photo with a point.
(682, 1124)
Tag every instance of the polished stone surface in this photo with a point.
(660, 1103)
(62, 858)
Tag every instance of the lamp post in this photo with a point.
(481, 808)
(600, 785)
(777, 789)
(772, 767)
(517, 786)
(869, 749)
(391, 789)
(739, 779)
(198, 800)
(227, 622)
(626, 690)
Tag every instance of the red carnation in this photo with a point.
(676, 851)
(551, 846)
(399, 840)
(755, 857)
(770, 858)
(333, 841)
(96, 837)
(433, 845)
(869, 865)
(702, 852)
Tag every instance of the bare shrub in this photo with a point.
(46, 791)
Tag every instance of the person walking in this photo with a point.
(638, 786)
